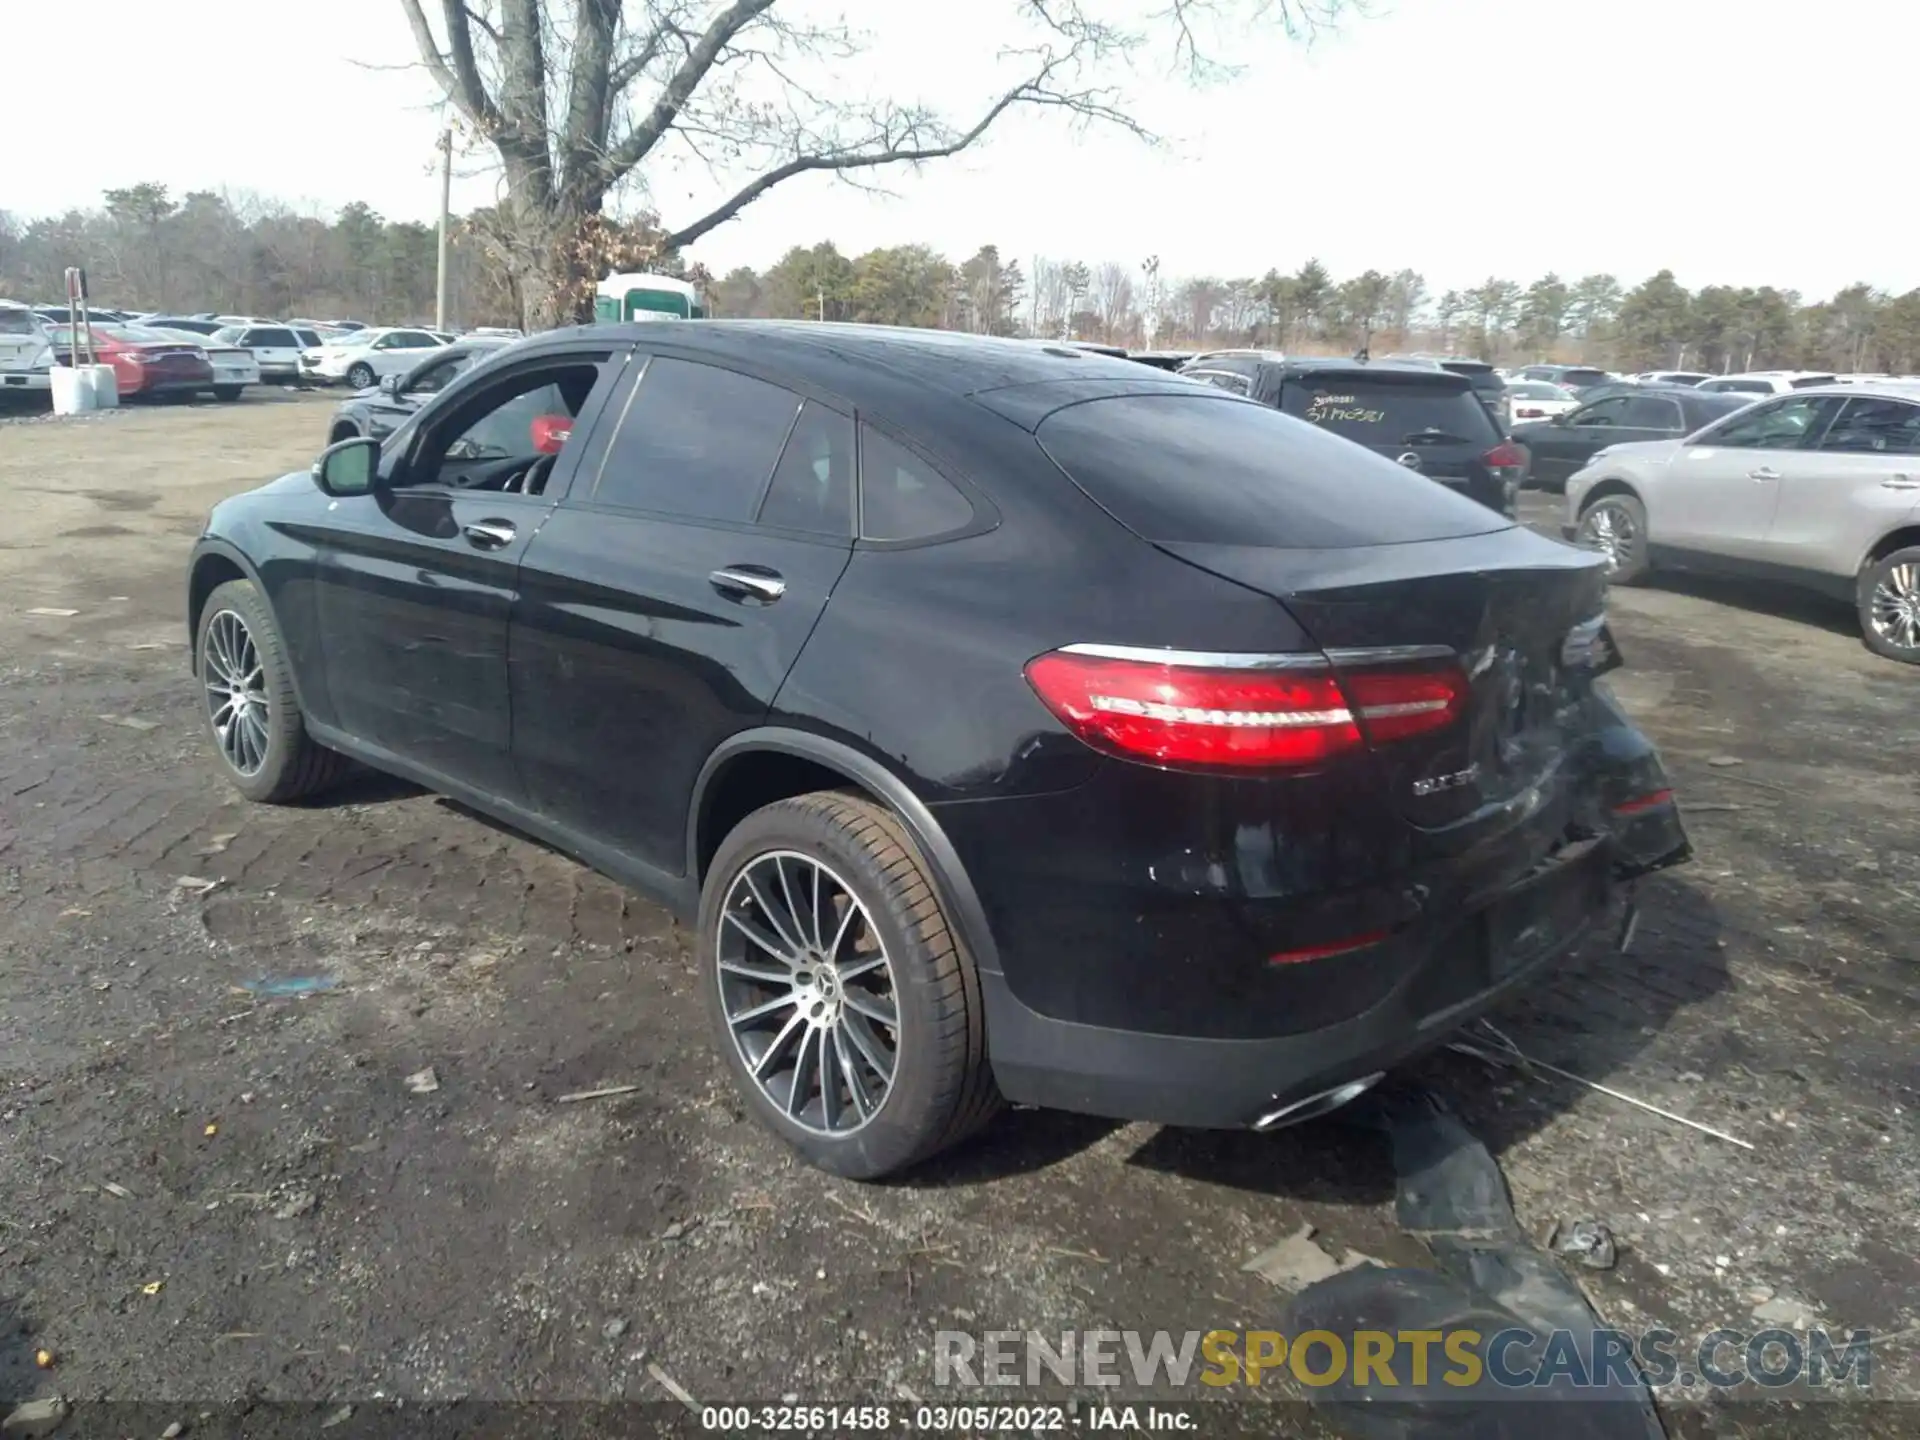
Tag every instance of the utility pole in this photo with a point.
(446, 206)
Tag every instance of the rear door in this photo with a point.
(22, 341)
(664, 602)
(1430, 422)
(1861, 479)
(1719, 493)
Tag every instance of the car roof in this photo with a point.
(1334, 364)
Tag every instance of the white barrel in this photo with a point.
(72, 389)
(106, 389)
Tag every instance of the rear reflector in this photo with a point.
(1241, 718)
(1327, 952)
(1642, 803)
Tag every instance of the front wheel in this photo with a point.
(1889, 602)
(360, 376)
(1616, 526)
(253, 715)
(843, 1002)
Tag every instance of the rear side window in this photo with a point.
(1376, 410)
(697, 442)
(902, 497)
(1194, 469)
(812, 486)
(1651, 412)
(1875, 427)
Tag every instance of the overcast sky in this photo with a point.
(1740, 142)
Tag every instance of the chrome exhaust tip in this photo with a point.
(1313, 1107)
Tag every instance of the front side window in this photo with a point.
(696, 442)
(1238, 384)
(1784, 424)
(1611, 411)
(507, 438)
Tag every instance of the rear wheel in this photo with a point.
(226, 392)
(843, 1003)
(1616, 526)
(1889, 602)
(253, 715)
(360, 376)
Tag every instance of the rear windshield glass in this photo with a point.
(1584, 377)
(1204, 470)
(1378, 411)
(18, 322)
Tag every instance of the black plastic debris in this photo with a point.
(1545, 1365)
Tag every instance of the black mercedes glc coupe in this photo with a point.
(1016, 723)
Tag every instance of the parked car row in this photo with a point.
(951, 658)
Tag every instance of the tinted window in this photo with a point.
(1377, 410)
(309, 338)
(1238, 384)
(273, 339)
(1651, 412)
(1179, 468)
(697, 441)
(902, 497)
(812, 486)
(438, 377)
(1611, 411)
(1782, 425)
(1875, 427)
(1578, 378)
(1804, 381)
(1739, 387)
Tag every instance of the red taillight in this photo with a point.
(1528, 414)
(1399, 704)
(1505, 456)
(1171, 714)
(1327, 952)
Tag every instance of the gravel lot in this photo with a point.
(209, 1194)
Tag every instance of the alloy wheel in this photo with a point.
(236, 685)
(808, 992)
(1610, 530)
(1894, 611)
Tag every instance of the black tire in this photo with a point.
(360, 375)
(1890, 586)
(942, 1088)
(1626, 518)
(227, 392)
(292, 765)
(342, 432)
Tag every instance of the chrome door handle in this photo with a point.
(764, 586)
(489, 534)
(1765, 472)
(1900, 482)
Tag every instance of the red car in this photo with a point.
(144, 362)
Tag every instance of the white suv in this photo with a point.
(26, 354)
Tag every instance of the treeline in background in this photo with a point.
(248, 255)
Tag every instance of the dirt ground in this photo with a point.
(209, 1194)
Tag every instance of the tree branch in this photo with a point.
(902, 149)
(461, 86)
(686, 79)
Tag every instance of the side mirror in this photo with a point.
(390, 384)
(1561, 418)
(348, 468)
(550, 433)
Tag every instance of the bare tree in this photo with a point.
(1111, 297)
(575, 97)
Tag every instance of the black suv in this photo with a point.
(1415, 412)
(1011, 721)
(1488, 383)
